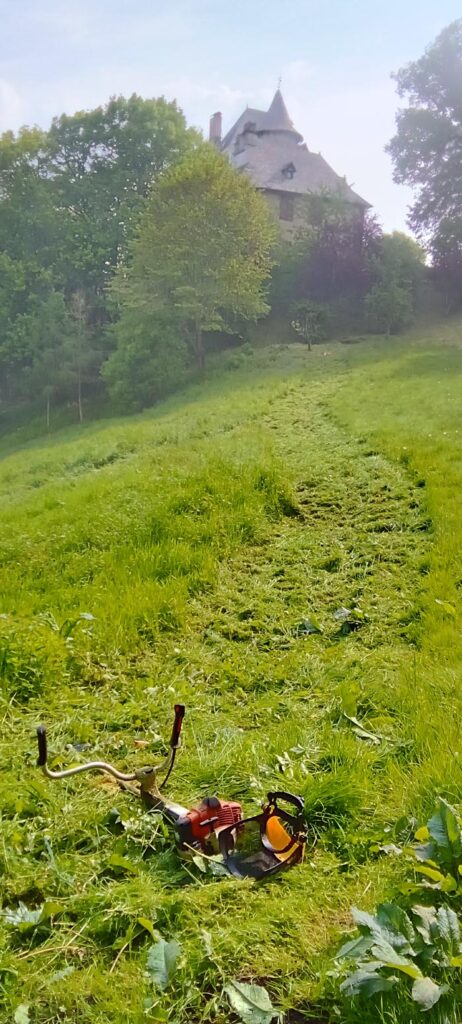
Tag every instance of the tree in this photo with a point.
(388, 308)
(56, 356)
(328, 260)
(102, 163)
(202, 255)
(70, 199)
(77, 309)
(398, 270)
(148, 363)
(309, 320)
(427, 147)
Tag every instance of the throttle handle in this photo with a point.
(42, 746)
(179, 715)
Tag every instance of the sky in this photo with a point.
(334, 59)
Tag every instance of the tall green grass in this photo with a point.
(179, 555)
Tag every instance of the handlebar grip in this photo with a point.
(42, 746)
(179, 715)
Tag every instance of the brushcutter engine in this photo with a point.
(196, 828)
(215, 826)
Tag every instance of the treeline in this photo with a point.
(70, 200)
(125, 241)
(343, 271)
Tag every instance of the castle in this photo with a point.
(267, 147)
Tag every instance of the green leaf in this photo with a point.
(364, 920)
(147, 925)
(424, 852)
(432, 873)
(161, 961)
(349, 694)
(157, 1013)
(426, 993)
(424, 922)
(449, 928)
(444, 829)
(307, 627)
(22, 915)
(212, 865)
(25, 919)
(342, 614)
(251, 1003)
(355, 948)
(384, 952)
(49, 909)
(360, 731)
(21, 1014)
(64, 973)
(366, 981)
(394, 919)
(385, 928)
(122, 864)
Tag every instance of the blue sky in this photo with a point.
(334, 57)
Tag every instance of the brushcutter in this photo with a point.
(215, 825)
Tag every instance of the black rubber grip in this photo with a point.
(179, 715)
(42, 746)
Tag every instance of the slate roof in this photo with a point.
(265, 143)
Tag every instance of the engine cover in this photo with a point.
(196, 827)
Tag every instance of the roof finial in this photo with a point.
(279, 81)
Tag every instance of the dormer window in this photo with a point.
(289, 170)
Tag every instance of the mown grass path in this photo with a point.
(207, 540)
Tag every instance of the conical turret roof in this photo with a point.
(277, 117)
(266, 146)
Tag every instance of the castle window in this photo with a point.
(289, 170)
(286, 207)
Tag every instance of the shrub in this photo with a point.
(388, 308)
(309, 319)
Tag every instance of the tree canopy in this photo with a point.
(427, 147)
(397, 270)
(70, 199)
(200, 259)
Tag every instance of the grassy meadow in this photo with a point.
(179, 555)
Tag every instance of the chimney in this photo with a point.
(215, 129)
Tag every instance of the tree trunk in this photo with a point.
(48, 412)
(79, 393)
(200, 354)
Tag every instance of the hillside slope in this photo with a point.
(180, 555)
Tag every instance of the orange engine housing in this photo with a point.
(195, 827)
